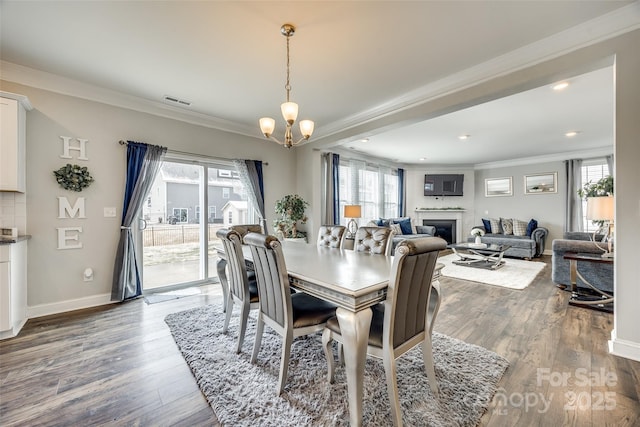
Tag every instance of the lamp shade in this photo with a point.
(267, 125)
(600, 208)
(352, 211)
(289, 111)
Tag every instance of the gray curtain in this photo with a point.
(143, 163)
(330, 201)
(573, 203)
(609, 159)
(250, 172)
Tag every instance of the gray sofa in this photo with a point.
(521, 246)
(417, 231)
(599, 275)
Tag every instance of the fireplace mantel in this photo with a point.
(452, 214)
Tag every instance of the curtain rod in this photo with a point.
(170, 151)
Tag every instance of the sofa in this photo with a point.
(599, 275)
(527, 239)
(402, 229)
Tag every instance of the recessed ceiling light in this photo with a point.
(463, 137)
(422, 159)
(363, 140)
(571, 134)
(560, 86)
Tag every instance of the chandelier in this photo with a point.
(289, 108)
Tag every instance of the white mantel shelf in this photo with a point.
(452, 214)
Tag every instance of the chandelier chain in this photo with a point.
(287, 86)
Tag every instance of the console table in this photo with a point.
(598, 299)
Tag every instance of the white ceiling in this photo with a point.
(352, 62)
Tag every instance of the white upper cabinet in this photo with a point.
(13, 115)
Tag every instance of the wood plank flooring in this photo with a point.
(119, 366)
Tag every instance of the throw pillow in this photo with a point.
(382, 222)
(487, 225)
(519, 227)
(405, 225)
(507, 225)
(426, 229)
(396, 229)
(496, 228)
(533, 224)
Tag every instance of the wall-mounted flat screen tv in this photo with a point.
(443, 184)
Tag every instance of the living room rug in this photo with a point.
(242, 394)
(515, 274)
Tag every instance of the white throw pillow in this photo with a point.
(396, 229)
(519, 227)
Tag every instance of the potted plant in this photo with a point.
(289, 210)
(602, 187)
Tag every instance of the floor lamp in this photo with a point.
(602, 209)
(352, 211)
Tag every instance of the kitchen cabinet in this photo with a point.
(13, 288)
(13, 113)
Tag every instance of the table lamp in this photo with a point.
(352, 211)
(602, 209)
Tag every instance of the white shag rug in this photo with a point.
(515, 274)
(242, 394)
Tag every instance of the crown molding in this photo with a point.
(615, 23)
(547, 158)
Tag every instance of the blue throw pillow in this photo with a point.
(533, 224)
(487, 225)
(405, 225)
(381, 222)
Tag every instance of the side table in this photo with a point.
(598, 300)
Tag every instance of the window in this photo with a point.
(230, 217)
(373, 187)
(592, 171)
(212, 213)
(198, 213)
(180, 215)
(225, 192)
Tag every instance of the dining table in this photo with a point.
(353, 281)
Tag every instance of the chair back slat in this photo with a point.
(272, 277)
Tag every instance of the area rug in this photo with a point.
(515, 274)
(242, 394)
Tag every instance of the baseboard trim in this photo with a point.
(624, 348)
(69, 305)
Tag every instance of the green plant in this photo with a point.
(73, 177)
(602, 187)
(290, 209)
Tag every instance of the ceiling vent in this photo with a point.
(174, 100)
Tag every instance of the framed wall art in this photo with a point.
(495, 187)
(542, 183)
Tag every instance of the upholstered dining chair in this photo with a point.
(406, 317)
(374, 240)
(331, 236)
(243, 290)
(290, 315)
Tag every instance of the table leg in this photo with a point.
(575, 299)
(222, 276)
(354, 328)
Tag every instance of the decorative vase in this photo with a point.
(478, 240)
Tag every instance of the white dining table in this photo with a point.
(354, 281)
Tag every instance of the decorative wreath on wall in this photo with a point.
(73, 177)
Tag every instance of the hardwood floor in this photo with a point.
(118, 365)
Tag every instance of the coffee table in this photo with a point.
(479, 256)
(595, 298)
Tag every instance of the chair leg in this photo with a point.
(427, 355)
(326, 345)
(258, 342)
(229, 308)
(392, 388)
(244, 315)
(340, 354)
(284, 361)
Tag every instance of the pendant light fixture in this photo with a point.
(289, 109)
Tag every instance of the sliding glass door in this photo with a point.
(189, 201)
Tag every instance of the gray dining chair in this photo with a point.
(331, 236)
(374, 240)
(406, 317)
(289, 315)
(243, 289)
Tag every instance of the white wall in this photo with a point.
(55, 276)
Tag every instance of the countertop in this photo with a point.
(9, 240)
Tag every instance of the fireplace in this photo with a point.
(445, 228)
(435, 216)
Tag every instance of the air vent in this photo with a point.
(174, 100)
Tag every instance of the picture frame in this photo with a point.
(541, 183)
(498, 187)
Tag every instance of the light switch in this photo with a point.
(109, 212)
